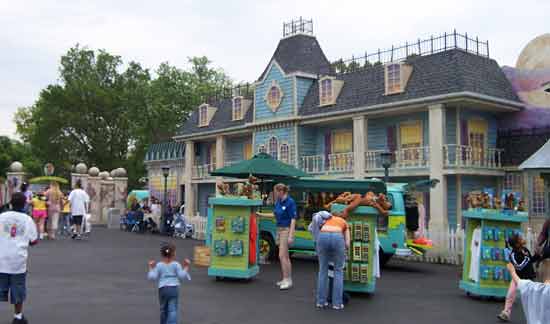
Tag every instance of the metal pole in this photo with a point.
(386, 175)
(165, 204)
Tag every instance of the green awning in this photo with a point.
(262, 166)
(336, 185)
(46, 179)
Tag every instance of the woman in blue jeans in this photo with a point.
(332, 242)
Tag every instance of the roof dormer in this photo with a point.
(329, 89)
(240, 106)
(396, 77)
(206, 112)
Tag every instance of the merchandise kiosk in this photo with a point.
(359, 269)
(232, 235)
(485, 250)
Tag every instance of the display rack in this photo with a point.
(232, 235)
(495, 227)
(359, 270)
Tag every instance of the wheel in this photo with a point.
(384, 257)
(268, 248)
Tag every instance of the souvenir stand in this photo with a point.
(485, 254)
(360, 267)
(232, 235)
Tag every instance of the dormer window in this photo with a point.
(396, 77)
(326, 91)
(237, 108)
(329, 89)
(274, 96)
(203, 115)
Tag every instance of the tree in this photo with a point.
(11, 150)
(104, 115)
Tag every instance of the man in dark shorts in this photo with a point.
(17, 232)
(79, 201)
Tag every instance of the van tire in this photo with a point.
(267, 242)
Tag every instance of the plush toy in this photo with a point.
(474, 200)
(521, 206)
(497, 203)
(485, 200)
(369, 199)
(344, 198)
(223, 188)
(509, 201)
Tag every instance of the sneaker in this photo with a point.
(20, 321)
(78, 237)
(322, 306)
(338, 307)
(279, 283)
(503, 316)
(287, 284)
(73, 236)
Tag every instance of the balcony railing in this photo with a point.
(464, 156)
(333, 163)
(405, 158)
(203, 171)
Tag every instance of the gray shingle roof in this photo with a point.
(539, 160)
(165, 151)
(437, 74)
(300, 53)
(222, 119)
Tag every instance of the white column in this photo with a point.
(459, 219)
(220, 151)
(188, 175)
(439, 222)
(359, 146)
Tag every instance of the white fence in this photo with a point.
(449, 246)
(199, 226)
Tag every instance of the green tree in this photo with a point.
(12, 150)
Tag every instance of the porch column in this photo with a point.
(188, 175)
(220, 151)
(439, 222)
(359, 146)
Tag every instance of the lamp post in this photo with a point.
(165, 173)
(386, 158)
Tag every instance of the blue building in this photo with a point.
(435, 104)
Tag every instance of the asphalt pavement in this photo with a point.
(102, 280)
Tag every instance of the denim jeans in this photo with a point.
(331, 248)
(169, 304)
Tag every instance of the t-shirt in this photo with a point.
(66, 206)
(285, 211)
(334, 223)
(38, 204)
(79, 200)
(17, 230)
(168, 275)
(535, 297)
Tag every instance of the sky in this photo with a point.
(237, 35)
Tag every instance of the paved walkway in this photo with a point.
(103, 281)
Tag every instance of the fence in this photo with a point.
(199, 226)
(433, 45)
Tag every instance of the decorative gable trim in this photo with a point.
(209, 111)
(335, 89)
(404, 74)
(270, 66)
(274, 105)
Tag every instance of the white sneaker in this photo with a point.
(287, 284)
(279, 283)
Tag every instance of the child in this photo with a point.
(521, 259)
(39, 213)
(535, 296)
(169, 273)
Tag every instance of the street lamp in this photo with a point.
(387, 159)
(165, 173)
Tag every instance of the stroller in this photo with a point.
(179, 228)
(132, 222)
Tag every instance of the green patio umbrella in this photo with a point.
(261, 166)
(46, 179)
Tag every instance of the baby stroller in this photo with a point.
(180, 228)
(134, 222)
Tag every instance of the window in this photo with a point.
(284, 153)
(274, 148)
(393, 78)
(326, 91)
(247, 152)
(342, 147)
(237, 108)
(538, 199)
(203, 115)
(273, 96)
(410, 141)
(262, 149)
(513, 181)
(477, 134)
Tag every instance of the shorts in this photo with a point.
(39, 214)
(14, 286)
(282, 237)
(76, 220)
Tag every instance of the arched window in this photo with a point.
(284, 153)
(203, 115)
(326, 91)
(237, 108)
(274, 148)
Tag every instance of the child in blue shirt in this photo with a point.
(169, 273)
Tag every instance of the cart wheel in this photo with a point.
(468, 294)
(268, 249)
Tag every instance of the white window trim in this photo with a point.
(274, 107)
(268, 146)
(405, 71)
(280, 151)
(201, 124)
(329, 100)
(233, 114)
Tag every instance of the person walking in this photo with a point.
(28, 197)
(80, 205)
(54, 199)
(39, 213)
(286, 214)
(17, 232)
(169, 273)
(543, 241)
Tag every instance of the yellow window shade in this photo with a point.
(477, 126)
(342, 142)
(410, 134)
(247, 152)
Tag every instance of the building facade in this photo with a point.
(436, 105)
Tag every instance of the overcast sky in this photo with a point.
(237, 35)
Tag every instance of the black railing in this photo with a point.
(298, 26)
(245, 90)
(433, 45)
